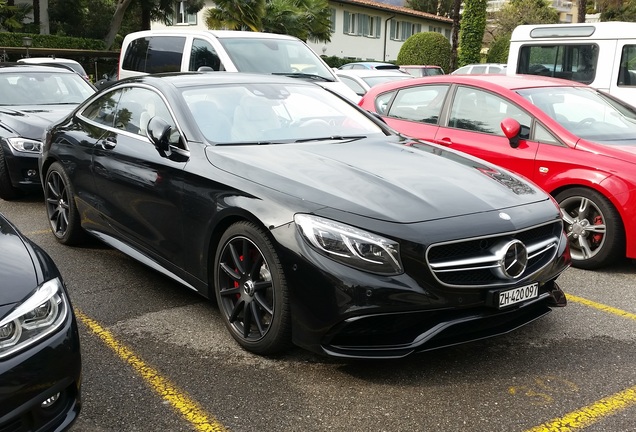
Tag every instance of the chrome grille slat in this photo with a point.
(472, 263)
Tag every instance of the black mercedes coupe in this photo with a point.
(306, 218)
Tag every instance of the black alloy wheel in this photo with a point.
(593, 226)
(251, 290)
(60, 206)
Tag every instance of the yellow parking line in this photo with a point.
(590, 414)
(602, 307)
(188, 408)
(605, 407)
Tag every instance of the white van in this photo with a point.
(175, 50)
(602, 55)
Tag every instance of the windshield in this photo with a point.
(274, 56)
(275, 113)
(43, 88)
(586, 113)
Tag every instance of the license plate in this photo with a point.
(516, 295)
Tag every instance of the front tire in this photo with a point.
(251, 290)
(593, 227)
(59, 198)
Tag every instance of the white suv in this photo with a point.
(181, 50)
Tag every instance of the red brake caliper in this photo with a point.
(596, 238)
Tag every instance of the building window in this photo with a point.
(351, 24)
(370, 25)
(332, 20)
(182, 15)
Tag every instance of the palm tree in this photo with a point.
(305, 19)
(236, 15)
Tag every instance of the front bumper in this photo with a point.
(22, 168)
(28, 379)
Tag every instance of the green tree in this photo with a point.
(236, 15)
(517, 12)
(427, 48)
(471, 33)
(12, 16)
(435, 7)
(305, 19)
(619, 12)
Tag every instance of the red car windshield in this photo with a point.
(586, 113)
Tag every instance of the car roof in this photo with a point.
(509, 82)
(421, 66)
(37, 60)
(220, 34)
(33, 67)
(187, 79)
(370, 72)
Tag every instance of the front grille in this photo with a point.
(477, 262)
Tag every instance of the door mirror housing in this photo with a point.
(512, 130)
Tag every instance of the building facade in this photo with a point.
(360, 29)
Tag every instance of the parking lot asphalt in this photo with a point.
(157, 357)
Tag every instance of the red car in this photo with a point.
(575, 142)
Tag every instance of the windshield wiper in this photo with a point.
(303, 75)
(333, 138)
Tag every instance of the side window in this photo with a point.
(576, 62)
(421, 104)
(102, 110)
(353, 85)
(136, 107)
(155, 54)
(542, 135)
(382, 102)
(479, 69)
(481, 111)
(203, 54)
(627, 72)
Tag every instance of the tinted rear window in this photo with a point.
(154, 54)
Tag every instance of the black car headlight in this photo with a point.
(25, 145)
(34, 319)
(351, 246)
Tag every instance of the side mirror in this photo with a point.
(512, 130)
(158, 132)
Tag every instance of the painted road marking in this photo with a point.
(605, 407)
(590, 414)
(602, 307)
(188, 408)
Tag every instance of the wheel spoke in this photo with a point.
(230, 272)
(238, 307)
(585, 248)
(247, 320)
(566, 217)
(263, 304)
(600, 229)
(255, 266)
(583, 207)
(233, 291)
(256, 313)
(236, 258)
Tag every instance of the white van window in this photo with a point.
(203, 55)
(274, 56)
(575, 62)
(154, 54)
(627, 73)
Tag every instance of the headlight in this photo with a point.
(25, 145)
(351, 246)
(34, 319)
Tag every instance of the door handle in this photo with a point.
(444, 141)
(108, 143)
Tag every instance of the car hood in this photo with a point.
(377, 179)
(31, 121)
(17, 271)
